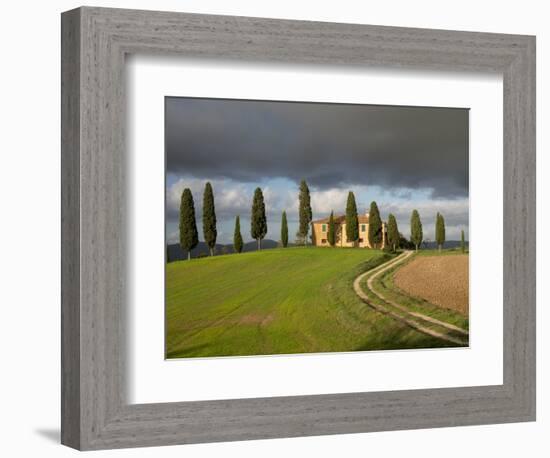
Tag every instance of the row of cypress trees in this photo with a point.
(417, 236)
(189, 236)
(258, 221)
(375, 234)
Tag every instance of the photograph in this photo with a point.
(308, 227)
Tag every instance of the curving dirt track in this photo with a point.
(441, 280)
(415, 320)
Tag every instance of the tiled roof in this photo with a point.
(339, 219)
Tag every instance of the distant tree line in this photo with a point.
(393, 240)
(258, 221)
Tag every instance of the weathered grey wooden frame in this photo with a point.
(95, 413)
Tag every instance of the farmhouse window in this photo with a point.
(363, 228)
(324, 228)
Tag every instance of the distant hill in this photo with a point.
(175, 253)
(448, 244)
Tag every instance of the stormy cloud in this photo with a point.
(395, 148)
(404, 158)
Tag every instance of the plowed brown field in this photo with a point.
(441, 280)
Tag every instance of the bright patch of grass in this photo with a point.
(293, 300)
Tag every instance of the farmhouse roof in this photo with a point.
(339, 219)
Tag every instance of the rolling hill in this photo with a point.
(176, 253)
(277, 301)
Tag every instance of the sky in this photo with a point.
(403, 158)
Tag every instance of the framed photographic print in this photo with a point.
(242, 170)
(285, 228)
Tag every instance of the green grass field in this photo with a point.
(277, 301)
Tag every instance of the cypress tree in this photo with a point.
(304, 211)
(258, 221)
(352, 222)
(393, 232)
(375, 226)
(439, 231)
(209, 218)
(284, 230)
(462, 243)
(189, 237)
(237, 237)
(331, 236)
(416, 229)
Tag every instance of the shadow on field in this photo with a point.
(392, 342)
(188, 352)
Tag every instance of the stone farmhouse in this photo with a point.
(320, 232)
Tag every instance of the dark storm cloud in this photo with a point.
(330, 145)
